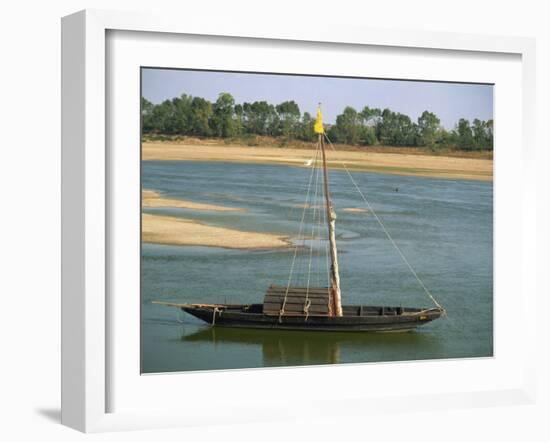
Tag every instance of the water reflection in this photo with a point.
(291, 348)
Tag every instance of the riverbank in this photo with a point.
(274, 142)
(365, 160)
(152, 199)
(158, 229)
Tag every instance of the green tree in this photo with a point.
(396, 129)
(222, 121)
(273, 122)
(260, 118)
(247, 118)
(428, 126)
(288, 113)
(444, 138)
(180, 119)
(306, 132)
(239, 115)
(147, 123)
(199, 119)
(186, 115)
(370, 116)
(482, 134)
(465, 139)
(490, 139)
(163, 118)
(368, 136)
(348, 127)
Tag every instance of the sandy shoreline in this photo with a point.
(160, 229)
(170, 230)
(152, 199)
(392, 163)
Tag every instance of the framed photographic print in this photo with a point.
(252, 188)
(248, 211)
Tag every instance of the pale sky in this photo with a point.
(449, 101)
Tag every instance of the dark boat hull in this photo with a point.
(355, 318)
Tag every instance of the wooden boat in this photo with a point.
(354, 318)
(317, 308)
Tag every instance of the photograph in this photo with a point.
(304, 220)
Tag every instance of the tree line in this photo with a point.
(196, 116)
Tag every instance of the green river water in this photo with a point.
(444, 227)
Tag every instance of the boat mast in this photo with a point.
(331, 220)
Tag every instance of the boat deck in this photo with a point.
(355, 318)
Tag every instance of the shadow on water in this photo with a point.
(286, 347)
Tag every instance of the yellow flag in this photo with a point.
(318, 127)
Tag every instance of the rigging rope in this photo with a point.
(386, 231)
(319, 242)
(282, 310)
(312, 238)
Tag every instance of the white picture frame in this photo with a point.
(86, 315)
